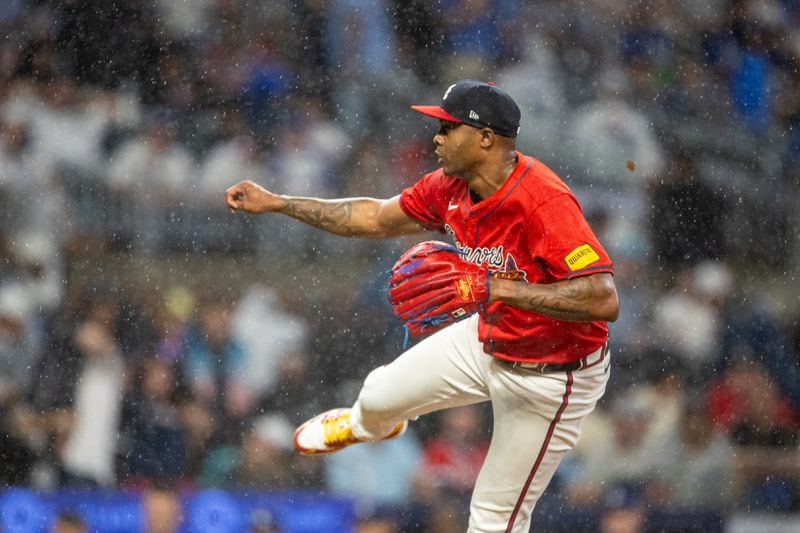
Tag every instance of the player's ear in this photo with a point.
(488, 137)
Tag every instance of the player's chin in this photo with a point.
(447, 169)
(451, 168)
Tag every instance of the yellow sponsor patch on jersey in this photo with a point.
(581, 257)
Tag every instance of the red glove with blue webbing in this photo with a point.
(432, 286)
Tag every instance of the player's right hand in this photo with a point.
(250, 197)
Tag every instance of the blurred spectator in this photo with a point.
(201, 427)
(686, 215)
(261, 311)
(684, 100)
(17, 452)
(700, 474)
(631, 338)
(331, 347)
(240, 156)
(90, 443)
(146, 175)
(18, 458)
(25, 175)
(209, 227)
(414, 22)
(470, 38)
(788, 111)
(67, 125)
(360, 47)
(306, 161)
(453, 458)
(689, 318)
(369, 171)
(308, 151)
(135, 322)
(754, 26)
(366, 45)
(60, 364)
(216, 365)
(41, 271)
(171, 322)
(396, 460)
(154, 447)
(747, 402)
(18, 352)
(264, 461)
(177, 88)
(663, 394)
(292, 399)
(750, 88)
(183, 20)
(625, 460)
(266, 456)
(622, 512)
(751, 327)
(21, 437)
(162, 511)
(609, 132)
(540, 97)
(293, 395)
(268, 82)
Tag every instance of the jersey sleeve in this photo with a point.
(565, 242)
(426, 201)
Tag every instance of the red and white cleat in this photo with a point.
(330, 432)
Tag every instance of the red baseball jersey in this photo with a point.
(531, 230)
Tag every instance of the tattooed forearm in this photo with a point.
(577, 300)
(369, 218)
(335, 216)
(568, 301)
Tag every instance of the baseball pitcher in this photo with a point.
(513, 309)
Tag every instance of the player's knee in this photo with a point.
(373, 397)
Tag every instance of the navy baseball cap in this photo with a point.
(479, 104)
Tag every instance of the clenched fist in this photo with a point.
(250, 197)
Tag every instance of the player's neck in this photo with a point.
(491, 176)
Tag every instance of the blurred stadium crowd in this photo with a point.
(677, 123)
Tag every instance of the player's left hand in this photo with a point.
(432, 286)
(251, 197)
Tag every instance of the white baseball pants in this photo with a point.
(537, 416)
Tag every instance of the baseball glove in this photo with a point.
(431, 286)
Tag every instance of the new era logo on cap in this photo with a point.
(479, 104)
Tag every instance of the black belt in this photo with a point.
(584, 362)
(545, 368)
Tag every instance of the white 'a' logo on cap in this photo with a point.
(447, 92)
